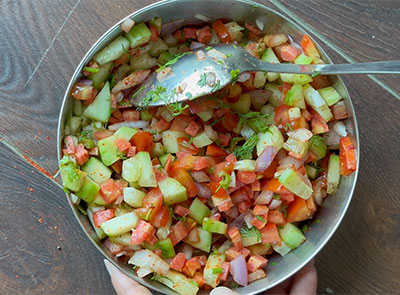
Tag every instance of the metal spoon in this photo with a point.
(206, 70)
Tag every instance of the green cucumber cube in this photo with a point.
(99, 201)
(100, 108)
(242, 106)
(101, 76)
(96, 170)
(287, 78)
(295, 97)
(158, 150)
(138, 35)
(269, 56)
(166, 247)
(88, 190)
(205, 116)
(112, 51)
(282, 250)
(163, 159)
(120, 225)
(315, 100)
(214, 261)
(179, 283)
(198, 211)
(131, 169)
(312, 172)
(273, 137)
(214, 226)
(245, 165)
(72, 177)
(330, 95)
(202, 140)
(205, 240)
(302, 79)
(170, 140)
(147, 175)
(291, 235)
(290, 180)
(296, 146)
(124, 239)
(318, 147)
(158, 47)
(333, 177)
(303, 59)
(98, 230)
(173, 191)
(133, 197)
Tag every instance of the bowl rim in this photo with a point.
(293, 22)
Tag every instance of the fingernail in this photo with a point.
(109, 267)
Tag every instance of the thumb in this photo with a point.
(123, 284)
(223, 291)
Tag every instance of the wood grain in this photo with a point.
(45, 40)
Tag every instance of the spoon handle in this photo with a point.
(381, 67)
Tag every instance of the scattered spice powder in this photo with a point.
(40, 169)
(48, 137)
(40, 220)
(31, 189)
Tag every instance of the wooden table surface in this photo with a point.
(42, 248)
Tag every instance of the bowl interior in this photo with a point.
(332, 209)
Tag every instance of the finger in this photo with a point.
(305, 281)
(282, 288)
(222, 291)
(123, 284)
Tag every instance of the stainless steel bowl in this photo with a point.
(333, 208)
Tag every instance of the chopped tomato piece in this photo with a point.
(215, 151)
(191, 266)
(101, 134)
(131, 115)
(252, 28)
(161, 218)
(225, 271)
(81, 154)
(222, 32)
(287, 198)
(226, 167)
(154, 33)
(234, 235)
(318, 125)
(225, 206)
(256, 186)
(153, 202)
(308, 47)
(181, 211)
(117, 167)
(201, 163)
(231, 158)
(143, 141)
(162, 125)
(178, 262)
(243, 206)
(185, 146)
(70, 145)
(204, 35)
(122, 144)
(347, 156)
(289, 52)
(256, 262)
(185, 179)
(103, 215)
(113, 248)
(179, 36)
(218, 191)
(180, 123)
(199, 279)
(178, 233)
(224, 139)
(192, 129)
(230, 121)
(247, 177)
(275, 186)
(281, 115)
(185, 160)
(144, 231)
(269, 234)
(277, 217)
(258, 221)
(168, 163)
(131, 152)
(109, 191)
(320, 82)
(216, 216)
(189, 33)
(260, 210)
(298, 211)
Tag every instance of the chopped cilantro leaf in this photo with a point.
(189, 95)
(234, 75)
(250, 232)
(226, 180)
(112, 81)
(260, 218)
(288, 127)
(173, 60)
(203, 80)
(90, 70)
(229, 55)
(208, 47)
(317, 221)
(276, 197)
(216, 87)
(178, 108)
(245, 151)
(160, 93)
(256, 121)
(137, 92)
(315, 74)
(217, 270)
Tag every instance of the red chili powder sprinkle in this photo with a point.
(40, 169)
(31, 189)
(40, 220)
(48, 137)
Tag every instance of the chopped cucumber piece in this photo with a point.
(291, 235)
(198, 211)
(282, 250)
(164, 57)
(269, 56)
(312, 172)
(166, 248)
(99, 201)
(163, 159)
(315, 100)
(242, 106)
(330, 95)
(112, 51)
(88, 190)
(303, 59)
(170, 140)
(250, 236)
(138, 35)
(287, 78)
(178, 282)
(131, 169)
(205, 116)
(120, 225)
(333, 177)
(142, 62)
(295, 97)
(147, 175)
(101, 76)
(302, 79)
(296, 146)
(245, 165)
(124, 239)
(133, 197)
(173, 192)
(145, 115)
(205, 240)
(74, 125)
(290, 180)
(100, 108)
(98, 230)
(157, 22)
(276, 95)
(158, 47)
(273, 137)
(214, 226)
(96, 170)
(259, 249)
(214, 261)
(121, 72)
(259, 79)
(294, 113)
(318, 147)
(78, 108)
(202, 140)
(72, 177)
(158, 150)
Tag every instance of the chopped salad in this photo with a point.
(201, 193)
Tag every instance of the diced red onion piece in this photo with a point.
(301, 134)
(232, 183)
(204, 18)
(203, 191)
(275, 204)
(171, 27)
(194, 45)
(264, 198)
(200, 176)
(238, 270)
(239, 221)
(187, 250)
(266, 158)
(85, 82)
(332, 139)
(210, 132)
(289, 161)
(143, 271)
(259, 97)
(244, 77)
(340, 128)
(293, 43)
(247, 220)
(137, 124)
(260, 24)
(119, 200)
(127, 24)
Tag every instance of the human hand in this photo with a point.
(302, 283)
